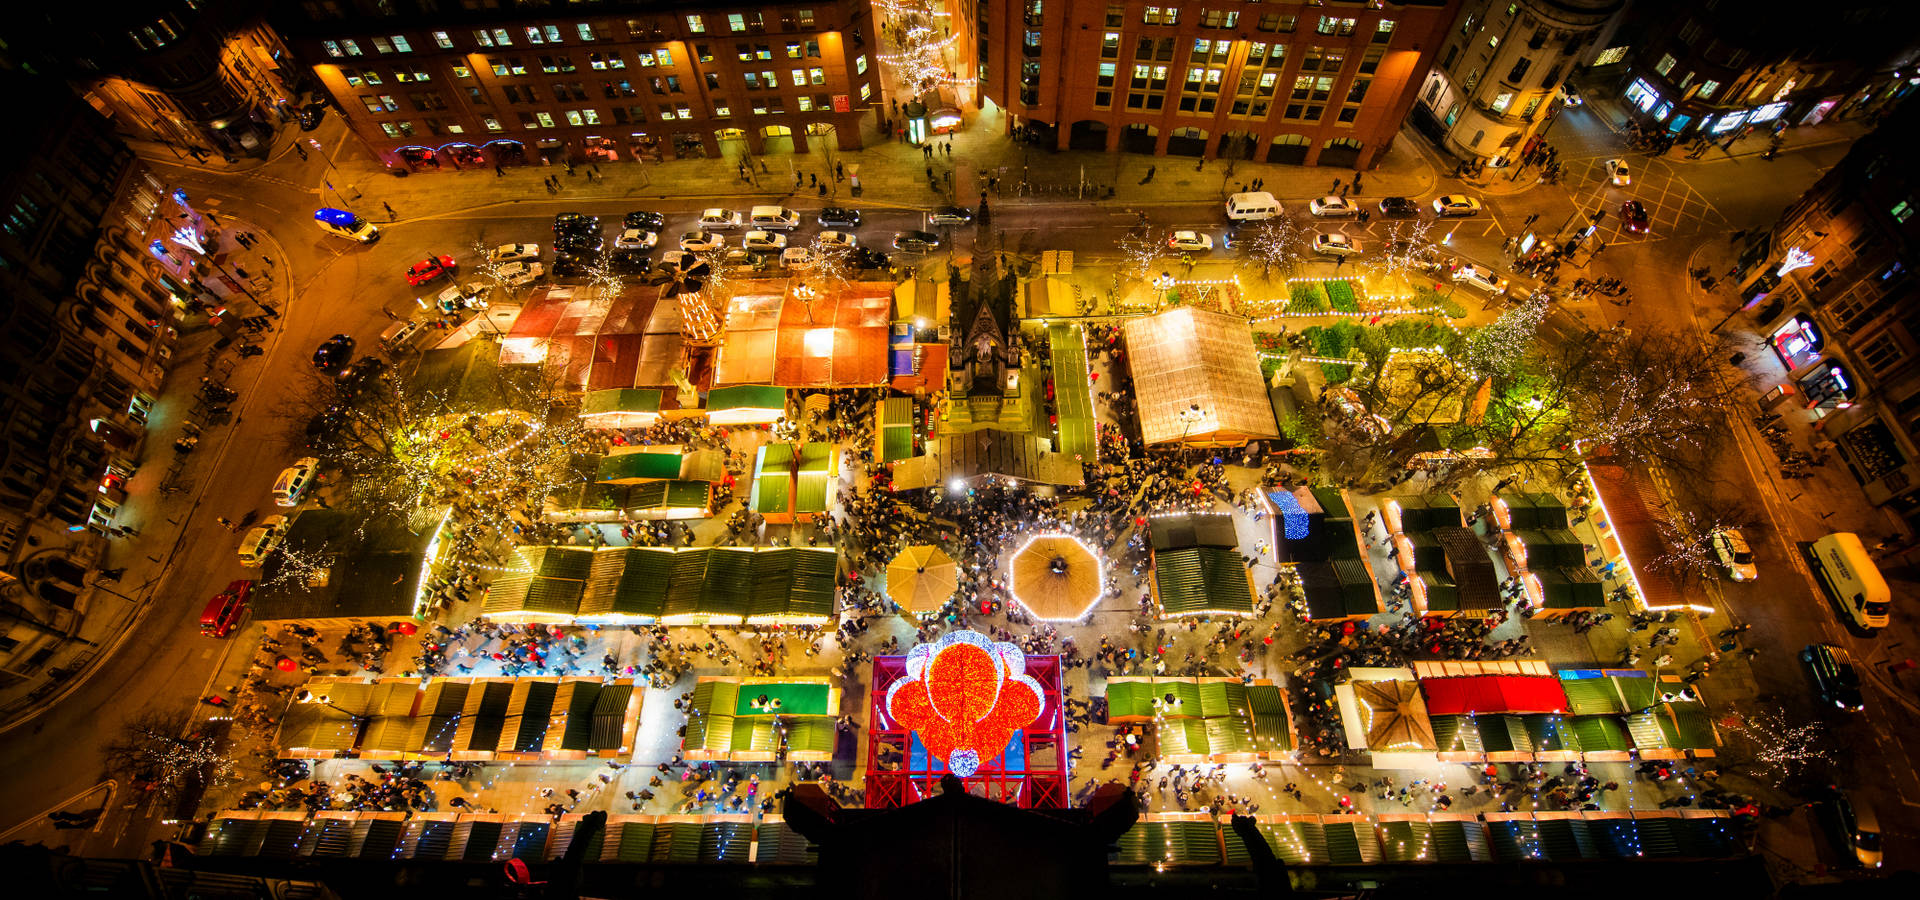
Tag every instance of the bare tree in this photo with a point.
(1774, 749)
(1278, 245)
(148, 749)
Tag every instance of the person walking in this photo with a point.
(389, 208)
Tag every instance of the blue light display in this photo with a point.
(1293, 516)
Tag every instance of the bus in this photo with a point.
(1852, 579)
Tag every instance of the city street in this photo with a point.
(336, 287)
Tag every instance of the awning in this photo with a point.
(620, 408)
(1481, 694)
(1198, 378)
(1075, 425)
(746, 404)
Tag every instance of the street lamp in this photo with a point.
(1191, 416)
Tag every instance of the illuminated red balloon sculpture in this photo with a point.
(965, 695)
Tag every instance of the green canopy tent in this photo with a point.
(620, 408)
(1076, 426)
(746, 404)
(893, 430)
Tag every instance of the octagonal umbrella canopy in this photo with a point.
(921, 578)
(1056, 577)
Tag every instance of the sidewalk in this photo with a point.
(1797, 137)
(165, 490)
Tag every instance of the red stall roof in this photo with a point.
(1491, 694)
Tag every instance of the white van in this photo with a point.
(291, 487)
(773, 218)
(399, 336)
(1253, 206)
(347, 225)
(1851, 577)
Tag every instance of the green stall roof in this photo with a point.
(620, 400)
(747, 396)
(1202, 579)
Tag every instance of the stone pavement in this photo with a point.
(1614, 113)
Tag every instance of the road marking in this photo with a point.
(34, 819)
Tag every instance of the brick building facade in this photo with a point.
(1299, 83)
(485, 82)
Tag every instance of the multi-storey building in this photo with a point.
(427, 84)
(1302, 83)
(1713, 66)
(200, 76)
(1837, 297)
(1498, 80)
(89, 315)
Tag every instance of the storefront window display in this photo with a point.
(1797, 343)
(1642, 94)
(1828, 387)
(1767, 113)
(1729, 122)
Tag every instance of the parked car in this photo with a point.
(522, 273)
(429, 269)
(763, 242)
(950, 215)
(472, 295)
(1480, 277)
(701, 241)
(645, 221)
(1854, 828)
(868, 258)
(1834, 678)
(1570, 96)
(291, 487)
(796, 257)
(1634, 216)
(1331, 207)
(716, 218)
(1399, 208)
(573, 223)
(916, 241)
(361, 377)
(632, 262)
(1617, 172)
(827, 240)
(1335, 244)
(839, 217)
(678, 260)
(334, 354)
(1190, 242)
(1456, 205)
(261, 540)
(1731, 548)
(514, 252)
(636, 239)
(224, 612)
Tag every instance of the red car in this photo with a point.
(223, 612)
(1634, 215)
(430, 268)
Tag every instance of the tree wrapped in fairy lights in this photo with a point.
(1772, 748)
(1278, 245)
(921, 36)
(150, 752)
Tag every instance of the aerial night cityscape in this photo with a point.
(960, 448)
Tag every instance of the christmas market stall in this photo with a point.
(757, 719)
(1197, 566)
(501, 719)
(750, 586)
(1207, 719)
(1197, 379)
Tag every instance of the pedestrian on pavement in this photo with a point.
(1259, 183)
(812, 179)
(1344, 189)
(839, 172)
(499, 172)
(225, 522)
(390, 314)
(268, 259)
(300, 149)
(242, 270)
(1150, 171)
(929, 173)
(1336, 186)
(389, 208)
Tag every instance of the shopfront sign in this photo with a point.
(1797, 343)
(1642, 94)
(1828, 387)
